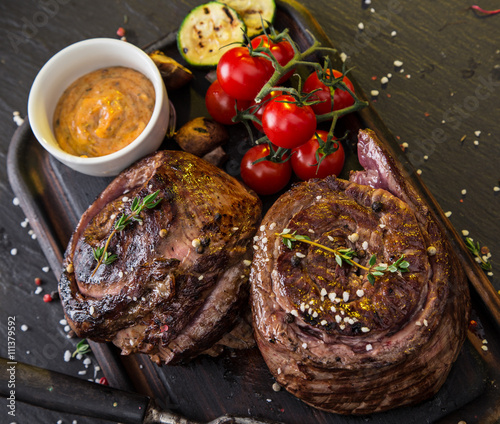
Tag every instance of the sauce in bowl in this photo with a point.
(103, 111)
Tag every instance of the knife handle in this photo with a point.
(63, 393)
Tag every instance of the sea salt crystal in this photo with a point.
(477, 133)
(67, 356)
(369, 347)
(384, 80)
(365, 245)
(360, 293)
(24, 327)
(13, 251)
(393, 33)
(398, 63)
(447, 214)
(345, 296)
(15, 201)
(361, 26)
(465, 233)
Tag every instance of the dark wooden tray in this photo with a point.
(53, 197)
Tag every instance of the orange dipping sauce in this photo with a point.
(103, 111)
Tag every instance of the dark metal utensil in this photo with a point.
(63, 393)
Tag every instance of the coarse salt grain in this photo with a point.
(484, 347)
(374, 93)
(398, 63)
(262, 227)
(343, 57)
(24, 327)
(323, 292)
(360, 293)
(431, 250)
(354, 237)
(345, 296)
(15, 201)
(272, 226)
(63, 322)
(361, 26)
(384, 80)
(365, 329)
(464, 192)
(476, 142)
(67, 356)
(447, 214)
(393, 33)
(477, 133)
(294, 312)
(332, 296)
(369, 347)
(365, 245)
(38, 290)
(419, 171)
(311, 230)
(426, 323)
(300, 255)
(496, 188)
(13, 251)
(465, 233)
(247, 262)
(304, 345)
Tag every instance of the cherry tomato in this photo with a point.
(242, 75)
(282, 51)
(288, 124)
(341, 98)
(304, 162)
(259, 108)
(221, 106)
(265, 177)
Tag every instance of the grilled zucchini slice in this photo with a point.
(253, 12)
(207, 31)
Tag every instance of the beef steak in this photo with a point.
(330, 336)
(181, 275)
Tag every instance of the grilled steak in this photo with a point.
(330, 336)
(181, 275)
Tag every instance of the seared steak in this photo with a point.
(181, 276)
(330, 336)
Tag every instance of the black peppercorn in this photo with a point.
(377, 206)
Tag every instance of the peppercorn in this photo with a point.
(377, 206)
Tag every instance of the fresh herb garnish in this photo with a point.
(101, 254)
(81, 348)
(344, 254)
(481, 258)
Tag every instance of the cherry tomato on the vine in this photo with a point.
(221, 106)
(341, 98)
(242, 75)
(265, 177)
(305, 163)
(282, 51)
(288, 124)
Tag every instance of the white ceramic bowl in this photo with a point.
(75, 61)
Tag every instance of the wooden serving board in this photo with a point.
(53, 197)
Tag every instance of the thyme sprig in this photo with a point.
(481, 258)
(101, 254)
(81, 348)
(344, 254)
